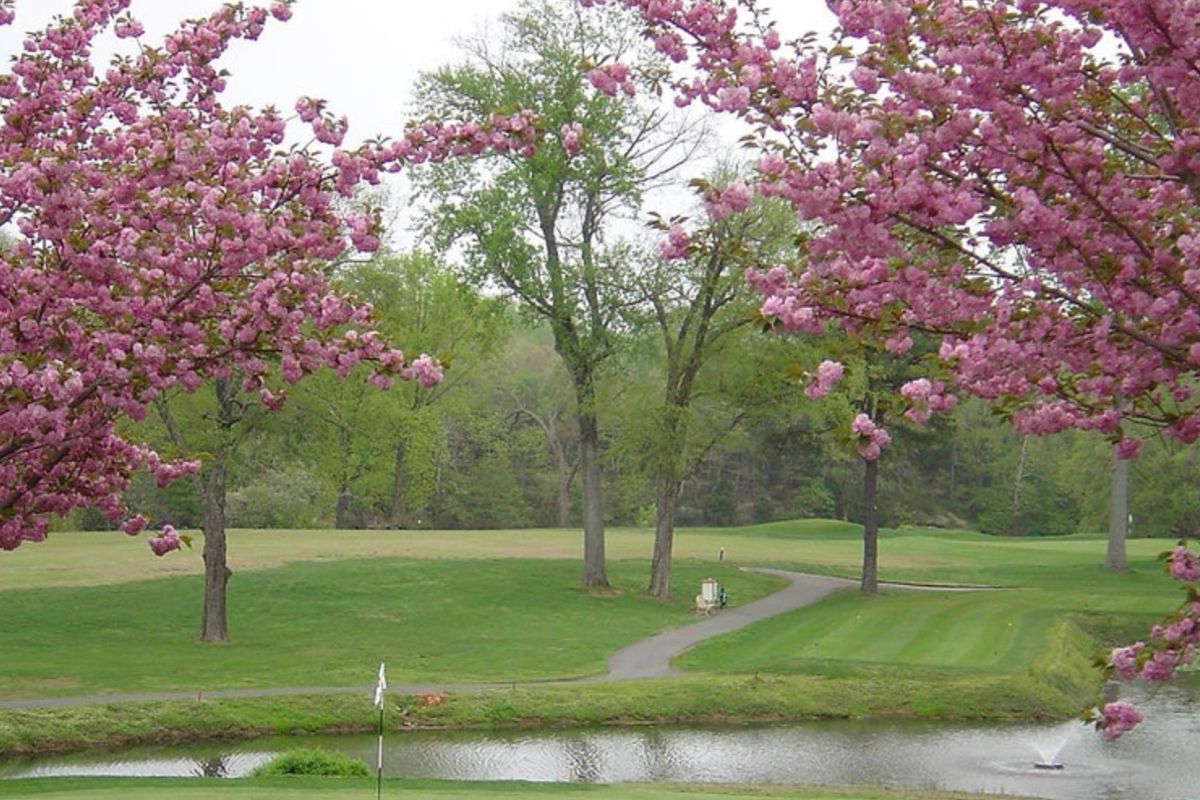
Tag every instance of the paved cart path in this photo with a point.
(649, 658)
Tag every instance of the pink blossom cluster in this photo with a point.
(731, 199)
(159, 239)
(871, 437)
(1116, 719)
(425, 369)
(926, 397)
(1172, 644)
(676, 246)
(611, 78)
(827, 375)
(1184, 565)
(1128, 448)
(782, 304)
(1124, 661)
(571, 135)
(166, 541)
(960, 172)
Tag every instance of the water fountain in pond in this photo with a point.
(1050, 746)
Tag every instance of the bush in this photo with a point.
(314, 762)
(289, 497)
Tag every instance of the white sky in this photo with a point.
(361, 56)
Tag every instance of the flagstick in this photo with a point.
(379, 762)
(380, 692)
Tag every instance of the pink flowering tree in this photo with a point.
(1019, 179)
(160, 239)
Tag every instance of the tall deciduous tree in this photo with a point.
(542, 229)
(882, 389)
(697, 297)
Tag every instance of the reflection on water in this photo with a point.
(173, 762)
(1156, 762)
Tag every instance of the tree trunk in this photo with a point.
(564, 500)
(214, 625)
(593, 513)
(395, 509)
(341, 510)
(1118, 517)
(1017, 527)
(666, 503)
(563, 468)
(870, 565)
(345, 495)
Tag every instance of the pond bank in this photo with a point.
(1057, 691)
(1153, 763)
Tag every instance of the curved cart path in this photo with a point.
(649, 658)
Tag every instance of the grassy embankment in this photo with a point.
(355, 789)
(90, 613)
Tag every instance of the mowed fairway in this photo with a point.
(965, 632)
(1050, 591)
(96, 613)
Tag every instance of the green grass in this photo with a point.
(355, 789)
(323, 608)
(330, 624)
(907, 554)
(1062, 594)
(1000, 631)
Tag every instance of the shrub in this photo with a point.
(314, 762)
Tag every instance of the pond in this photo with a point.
(1158, 761)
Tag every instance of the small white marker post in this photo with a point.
(380, 689)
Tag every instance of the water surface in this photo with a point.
(1158, 761)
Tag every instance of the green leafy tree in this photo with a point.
(377, 450)
(698, 301)
(541, 229)
(867, 399)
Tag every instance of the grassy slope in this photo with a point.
(688, 699)
(454, 615)
(1031, 633)
(330, 624)
(279, 788)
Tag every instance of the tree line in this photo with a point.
(493, 445)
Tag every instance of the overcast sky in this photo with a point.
(361, 56)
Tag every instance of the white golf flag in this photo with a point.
(380, 687)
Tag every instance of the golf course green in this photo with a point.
(95, 614)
